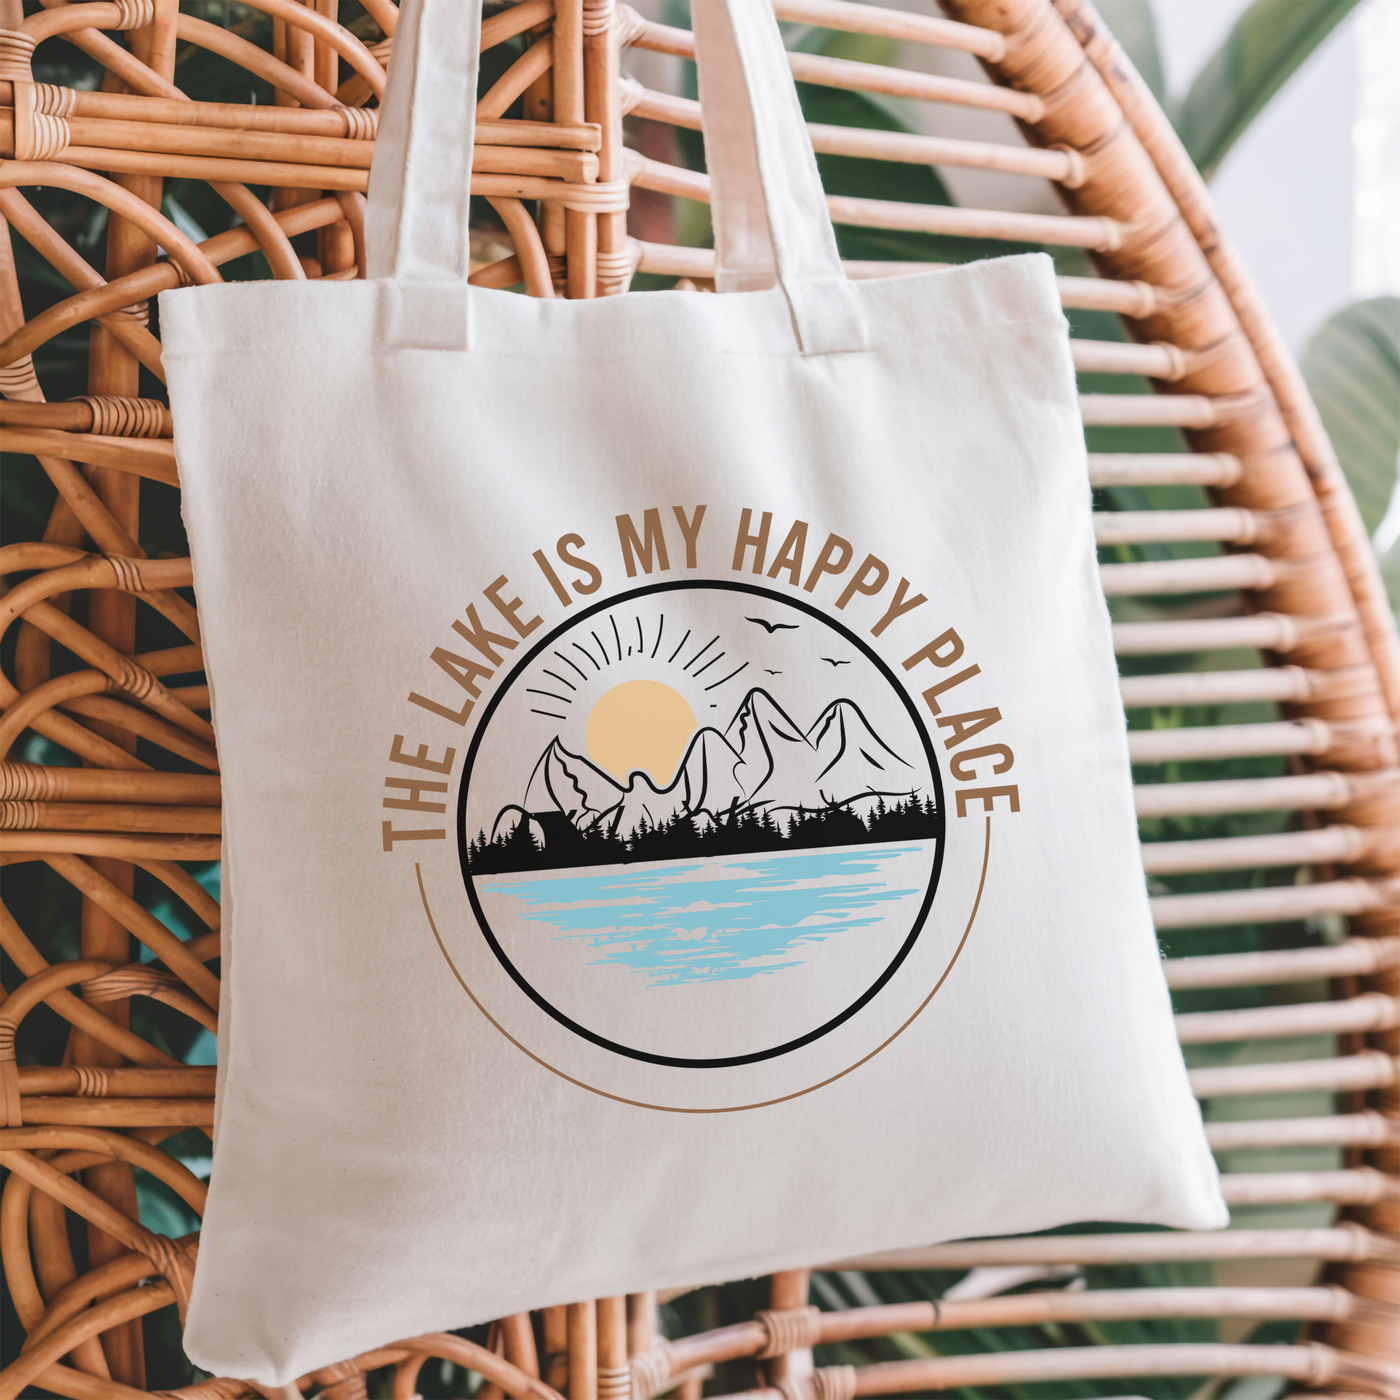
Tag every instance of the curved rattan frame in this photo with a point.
(1291, 546)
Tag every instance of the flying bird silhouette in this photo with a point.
(771, 627)
(773, 673)
(830, 662)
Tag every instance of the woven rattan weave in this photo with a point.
(1286, 559)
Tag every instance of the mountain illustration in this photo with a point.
(564, 782)
(777, 764)
(853, 755)
(764, 783)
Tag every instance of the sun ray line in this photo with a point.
(719, 656)
(729, 677)
(588, 654)
(562, 699)
(560, 678)
(701, 652)
(549, 713)
(640, 642)
(602, 650)
(583, 675)
(616, 637)
(660, 628)
(677, 651)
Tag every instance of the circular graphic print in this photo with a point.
(700, 824)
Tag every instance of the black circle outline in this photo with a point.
(674, 1061)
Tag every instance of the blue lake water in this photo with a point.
(712, 921)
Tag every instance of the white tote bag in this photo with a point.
(677, 809)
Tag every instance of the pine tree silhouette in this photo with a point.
(736, 831)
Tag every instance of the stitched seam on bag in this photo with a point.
(930, 333)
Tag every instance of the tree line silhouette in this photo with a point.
(738, 832)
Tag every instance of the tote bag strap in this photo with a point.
(416, 220)
(420, 182)
(771, 222)
(766, 202)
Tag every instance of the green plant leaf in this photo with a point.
(1352, 367)
(161, 1209)
(1269, 42)
(840, 43)
(1390, 574)
(1134, 27)
(182, 219)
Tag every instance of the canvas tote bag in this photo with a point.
(677, 811)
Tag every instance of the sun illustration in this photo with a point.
(640, 724)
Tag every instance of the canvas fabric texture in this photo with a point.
(677, 812)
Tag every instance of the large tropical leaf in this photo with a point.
(1269, 42)
(1352, 366)
(1135, 27)
(1390, 572)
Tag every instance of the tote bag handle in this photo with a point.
(766, 202)
(770, 216)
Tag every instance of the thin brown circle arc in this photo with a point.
(736, 1108)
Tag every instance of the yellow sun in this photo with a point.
(640, 724)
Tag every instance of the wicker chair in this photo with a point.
(1286, 553)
